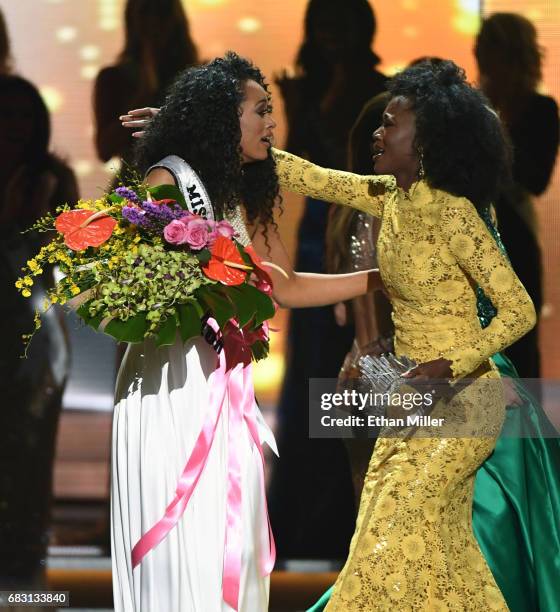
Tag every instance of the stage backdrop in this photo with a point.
(61, 45)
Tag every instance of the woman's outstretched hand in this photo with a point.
(138, 119)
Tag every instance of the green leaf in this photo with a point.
(189, 321)
(168, 192)
(132, 330)
(167, 332)
(83, 313)
(219, 305)
(251, 304)
(244, 255)
(244, 308)
(203, 256)
(260, 350)
(116, 199)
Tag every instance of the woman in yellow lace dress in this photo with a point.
(413, 548)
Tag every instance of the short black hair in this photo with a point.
(464, 147)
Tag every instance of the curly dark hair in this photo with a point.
(200, 123)
(464, 146)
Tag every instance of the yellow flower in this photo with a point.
(85, 204)
(413, 547)
(455, 600)
(396, 585)
(386, 506)
(462, 244)
(74, 290)
(449, 290)
(19, 283)
(28, 281)
(431, 510)
(26, 293)
(351, 587)
(32, 265)
(54, 299)
(501, 279)
(137, 239)
(435, 605)
(446, 255)
(422, 251)
(314, 178)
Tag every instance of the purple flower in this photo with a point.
(163, 213)
(134, 215)
(127, 194)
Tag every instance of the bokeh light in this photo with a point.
(66, 34)
(249, 25)
(53, 97)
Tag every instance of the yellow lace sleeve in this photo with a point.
(478, 255)
(364, 193)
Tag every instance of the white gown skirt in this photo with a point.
(160, 405)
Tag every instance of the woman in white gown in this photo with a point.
(217, 118)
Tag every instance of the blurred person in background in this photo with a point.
(5, 49)
(33, 182)
(510, 65)
(351, 239)
(336, 75)
(158, 45)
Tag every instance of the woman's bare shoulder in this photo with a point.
(160, 176)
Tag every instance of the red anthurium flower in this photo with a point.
(164, 201)
(85, 228)
(264, 282)
(226, 264)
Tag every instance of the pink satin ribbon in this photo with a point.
(232, 388)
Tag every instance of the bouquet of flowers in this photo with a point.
(137, 264)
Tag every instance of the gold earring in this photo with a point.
(421, 172)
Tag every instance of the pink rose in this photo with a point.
(220, 228)
(197, 234)
(223, 228)
(175, 232)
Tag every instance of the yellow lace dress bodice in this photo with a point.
(413, 547)
(433, 248)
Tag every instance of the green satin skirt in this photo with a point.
(516, 508)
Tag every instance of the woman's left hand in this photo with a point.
(435, 369)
